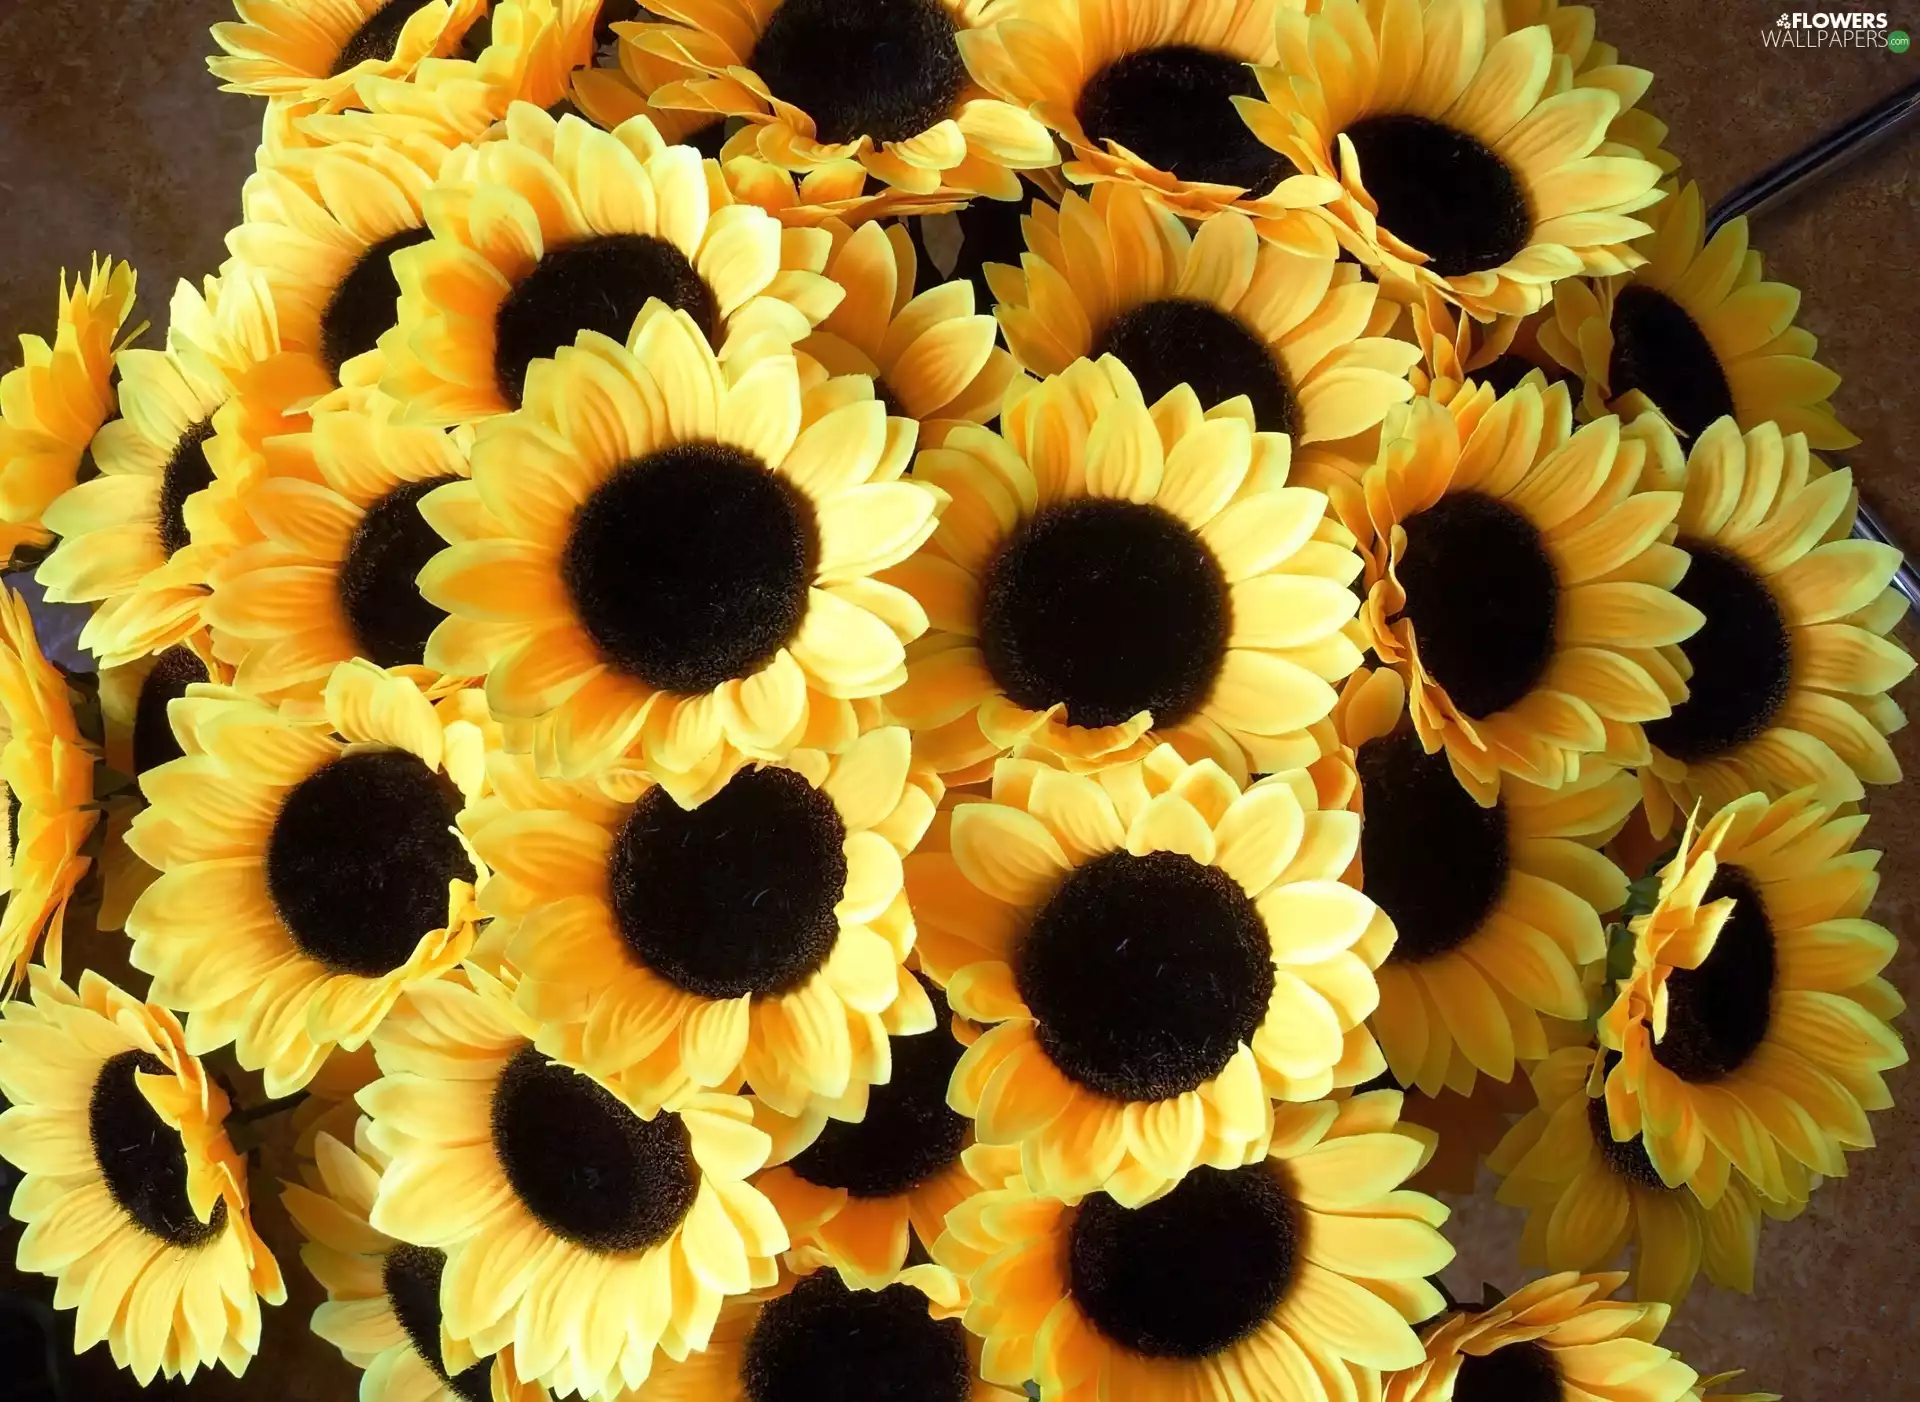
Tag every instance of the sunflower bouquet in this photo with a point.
(914, 699)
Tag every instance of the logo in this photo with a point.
(1834, 29)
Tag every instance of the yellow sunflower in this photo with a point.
(1589, 1195)
(816, 1336)
(1591, 64)
(1496, 910)
(46, 780)
(1519, 579)
(1556, 1339)
(560, 228)
(383, 1296)
(932, 358)
(761, 935)
(1754, 1027)
(1457, 353)
(1300, 337)
(1788, 682)
(132, 1196)
(1296, 1275)
(137, 540)
(1159, 953)
(55, 400)
(578, 1229)
(673, 555)
(311, 53)
(911, 117)
(1694, 332)
(1109, 576)
(1465, 167)
(341, 537)
(309, 868)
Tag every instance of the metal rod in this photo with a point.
(1820, 158)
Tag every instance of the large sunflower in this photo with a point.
(311, 54)
(1160, 953)
(560, 228)
(673, 555)
(55, 400)
(761, 934)
(341, 537)
(382, 1309)
(1300, 336)
(1109, 576)
(1297, 1275)
(1695, 333)
(309, 868)
(1754, 1027)
(132, 1196)
(1496, 909)
(577, 1229)
(1788, 682)
(1556, 1340)
(1519, 580)
(1463, 168)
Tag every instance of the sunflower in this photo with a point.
(1496, 909)
(1109, 576)
(132, 1196)
(1458, 353)
(383, 1296)
(46, 780)
(1556, 1340)
(55, 400)
(1693, 331)
(1518, 578)
(1788, 681)
(816, 1336)
(1465, 166)
(914, 119)
(1754, 1027)
(560, 228)
(312, 54)
(761, 934)
(931, 357)
(577, 1229)
(671, 554)
(1301, 337)
(1159, 954)
(325, 844)
(1295, 1275)
(138, 539)
(1591, 64)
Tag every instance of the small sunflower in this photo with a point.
(1519, 579)
(761, 934)
(1753, 1030)
(132, 1196)
(1297, 1275)
(312, 54)
(1589, 1195)
(341, 537)
(1458, 353)
(1695, 333)
(1301, 337)
(579, 1230)
(560, 228)
(309, 868)
(1142, 93)
(1465, 167)
(383, 1296)
(46, 781)
(1109, 576)
(1159, 954)
(912, 119)
(1559, 1339)
(932, 358)
(673, 555)
(55, 400)
(1496, 909)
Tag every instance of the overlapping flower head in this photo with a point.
(313, 55)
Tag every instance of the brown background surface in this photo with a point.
(114, 138)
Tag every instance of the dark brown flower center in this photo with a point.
(1742, 659)
(154, 742)
(887, 69)
(187, 472)
(1177, 341)
(1173, 107)
(411, 1276)
(1442, 192)
(142, 1158)
(1719, 1013)
(391, 620)
(1660, 351)
(1518, 1372)
(821, 1342)
(363, 307)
